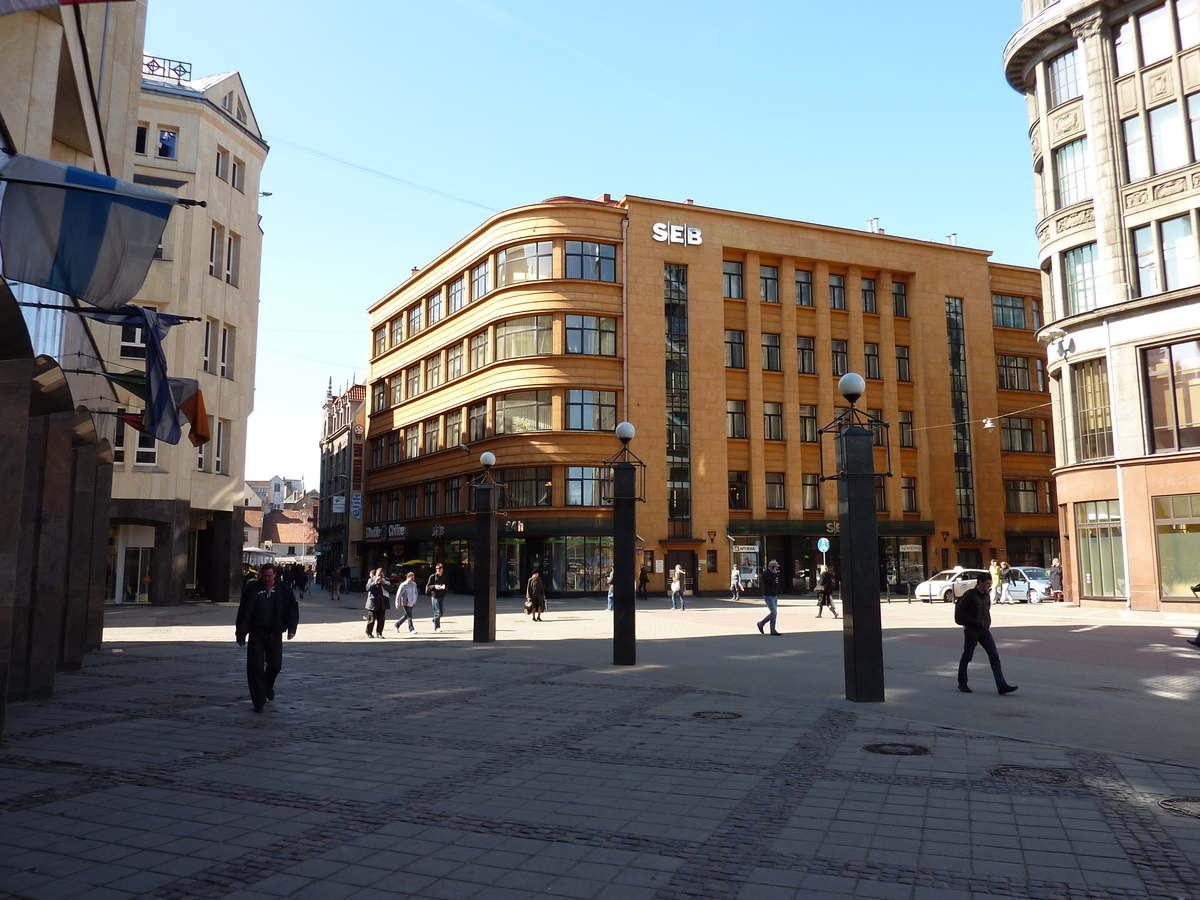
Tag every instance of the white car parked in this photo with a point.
(948, 585)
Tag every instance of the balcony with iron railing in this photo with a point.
(161, 67)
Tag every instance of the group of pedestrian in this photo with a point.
(381, 598)
(1001, 580)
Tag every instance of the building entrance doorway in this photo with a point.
(136, 588)
(685, 558)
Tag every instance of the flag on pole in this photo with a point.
(81, 233)
(186, 393)
(12, 6)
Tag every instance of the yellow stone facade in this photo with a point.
(636, 374)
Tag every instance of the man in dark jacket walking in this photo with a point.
(267, 610)
(435, 587)
(770, 586)
(973, 612)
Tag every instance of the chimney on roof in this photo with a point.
(415, 270)
(604, 198)
(690, 202)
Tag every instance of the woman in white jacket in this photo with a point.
(406, 599)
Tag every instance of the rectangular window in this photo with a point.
(479, 280)
(396, 390)
(222, 167)
(412, 441)
(776, 498)
(477, 416)
(592, 335)
(589, 486)
(1179, 253)
(397, 328)
(1093, 419)
(1008, 312)
(1020, 496)
(1168, 149)
(1035, 307)
(379, 396)
(1101, 546)
(771, 361)
(525, 488)
(880, 493)
(1012, 373)
(133, 342)
(377, 507)
(1173, 391)
(239, 175)
(735, 418)
(732, 276)
(1124, 49)
(1071, 166)
(1177, 521)
(1016, 434)
(868, 296)
(226, 366)
(906, 429)
(479, 350)
(431, 498)
(454, 362)
(768, 284)
(220, 447)
(810, 486)
(837, 291)
(393, 505)
(804, 294)
(412, 499)
(1040, 369)
(412, 381)
(377, 457)
(739, 490)
(735, 349)
(433, 435)
(1189, 26)
(146, 453)
(871, 360)
(841, 358)
(773, 421)
(1155, 30)
(591, 261)
(395, 447)
(1136, 160)
(454, 435)
(528, 262)
(139, 140)
(458, 295)
(216, 248)
(233, 259)
(528, 336)
(453, 495)
(878, 432)
(433, 372)
(522, 411)
(1147, 260)
(1065, 83)
(1080, 266)
(167, 144)
(903, 372)
(808, 424)
(591, 410)
(899, 300)
(806, 354)
(414, 321)
(434, 304)
(908, 494)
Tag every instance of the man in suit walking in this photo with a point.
(267, 610)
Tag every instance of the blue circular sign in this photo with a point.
(823, 545)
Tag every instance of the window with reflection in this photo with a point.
(458, 295)
(434, 304)
(1065, 81)
(1173, 391)
(806, 353)
(1071, 166)
(768, 284)
(591, 261)
(479, 350)
(731, 274)
(479, 280)
(771, 361)
(1080, 269)
(735, 349)
(1179, 253)
(1136, 160)
(589, 486)
(527, 262)
(454, 362)
(592, 335)
(804, 294)
(477, 421)
(837, 291)
(523, 411)
(591, 410)
(739, 490)
(527, 488)
(1156, 33)
(735, 418)
(868, 295)
(528, 336)
(808, 423)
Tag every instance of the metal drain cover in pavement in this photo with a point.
(1032, 774)
(1111, 690)
(897, 749)
(715, 714)
(1182, 806)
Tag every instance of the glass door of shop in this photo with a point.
(137, 575)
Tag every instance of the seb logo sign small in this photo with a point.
(666, 233)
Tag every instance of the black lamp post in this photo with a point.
(625, 497)
(862, 627)
(485, 551)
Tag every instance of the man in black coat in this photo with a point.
(267, 610)
(973, 612)
(436, 588)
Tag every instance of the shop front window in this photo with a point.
(1101, 543)
(1177, 521)
(578, 562)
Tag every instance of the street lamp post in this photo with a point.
(485, 552)
(625, 497)
(862, 627)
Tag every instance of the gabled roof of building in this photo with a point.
(288, 526)
(253, 516)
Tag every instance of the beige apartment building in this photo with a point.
(176, 526)
(721, 336)
(1113, 92)
(343, 437)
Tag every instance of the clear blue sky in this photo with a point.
(824, 112)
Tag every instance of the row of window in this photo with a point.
(1022, 496)
(210, 457)
(218, 346)
(1012, 373)
(231, 169)
(810, 486)
(586, 260)
(772, 361)
(516, 412)
(513, 339)
(735, 423)
(768, 288)
(224, 254)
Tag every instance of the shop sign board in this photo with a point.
(356, 505)
(746, 548)
(666, 233)
(397, 532)
(910, 548)
(373, 533)
(339, 503)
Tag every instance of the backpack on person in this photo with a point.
(963, 615)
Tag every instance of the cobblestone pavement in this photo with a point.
(444, 769)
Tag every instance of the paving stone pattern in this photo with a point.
(455, 771)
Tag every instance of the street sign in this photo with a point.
(339, 503)
(823, 545)
(356, 505)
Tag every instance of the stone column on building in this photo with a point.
(79, 556)
(98, 565)
(15, 377)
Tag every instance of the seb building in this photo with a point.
(721, 336)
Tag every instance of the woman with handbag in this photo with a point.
(535, 596)
(735, 584)
(406, 599)
(678, 580)
(378, 602)
(825, 591)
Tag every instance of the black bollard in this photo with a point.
(485, 563)
(624, 564)
(862, 627)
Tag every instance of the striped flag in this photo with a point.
(83, 234)
(186, 393)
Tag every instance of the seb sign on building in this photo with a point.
(666, 233)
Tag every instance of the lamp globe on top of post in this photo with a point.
(852, 386)
(626, 432)
(487, 459)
